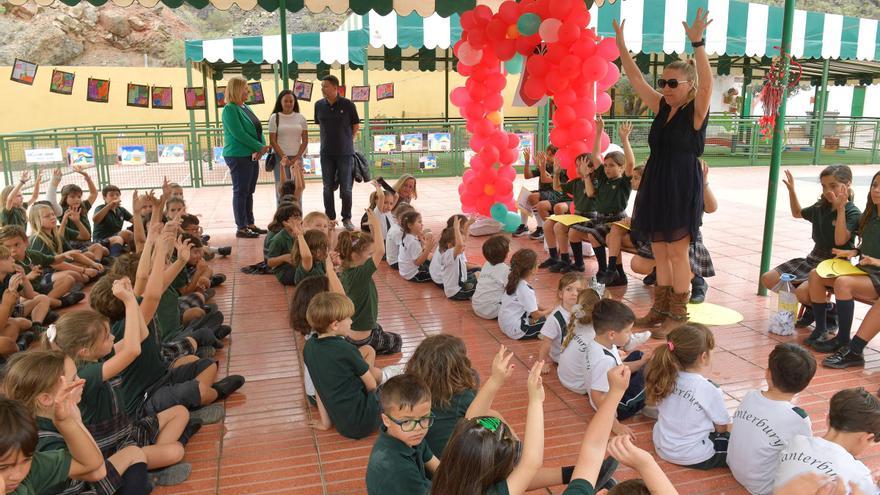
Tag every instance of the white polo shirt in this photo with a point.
(486, 300)
(572, 369)
(521, 303)
(817, 455)
(555, 329)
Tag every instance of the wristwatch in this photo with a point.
(700, 43)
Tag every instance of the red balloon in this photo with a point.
(484, 204)
(507, 172)
(495, 82)
(477, 142)
(603, 102)
(611, 77)
(567, 160)
(484, 128)
(570, 66)
(578, 147)
(560, 8)
(535, 88)
(493, 101)
(477, 38)
(585, 109)
(604, 141)
(565, 98)
(556, 52)
(459, 96)
(559, 137)
(508, 156)
(468, 20)
(464, 69)
(509, 12)
(503, 187)
(607, 49)
(512, 140)
(582, 128)
(477, 162)
(584, 49)
(564, 116)
(525, 45)
(466, 177)
(556, 83)
(594, 68)
(537, 65)
(474, 110)
(580, 17)
(483, 14)
(569, 32)
(490, 154)
(499, 140)
(504, 49)
(496, 30)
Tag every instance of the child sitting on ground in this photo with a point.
(189, 224)
(572, 368)
(674, 382)
(109, 219)
(20, 301)
(519, 316)
(344, 375)
(286, 221)
(38, 268)
(395, 234)
(416, 248)
(13, 209)
(853, 427)
(175, 207)
(382, 202)
(48, 238)
(309, 253)
(486, 300)
(360, 254)
(401, 458)
(554, 329)
(765, 422)
(613, 322)
(459, 277)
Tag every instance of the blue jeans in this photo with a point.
(244, 172)
(336, 172)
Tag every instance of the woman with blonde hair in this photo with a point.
(242, 148)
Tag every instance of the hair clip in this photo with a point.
(670, 345)
(489, 423)
(578, 311)
(51, 333)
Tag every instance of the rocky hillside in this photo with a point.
(130, 36)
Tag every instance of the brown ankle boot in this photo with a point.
(678, 314)
(660, 309)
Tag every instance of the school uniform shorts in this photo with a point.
(180, 388)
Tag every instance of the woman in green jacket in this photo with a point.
(242, 148)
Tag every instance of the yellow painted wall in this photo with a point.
(417, 94)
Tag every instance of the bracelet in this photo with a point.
(697, 44)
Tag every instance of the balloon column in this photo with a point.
(563, 59)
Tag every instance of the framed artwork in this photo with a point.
(411, 142)
(255, 95)
(302, 90)
(81, 155)
(439, 141)
(98, 90)
(160, 96)
(360, 93)
(171, 153)
(132, 155)
(138, 95)
(384, 143)
(24, 72)
(385, 91)
(62, 82)
(194, 98)
(221, 96)
(526, 142)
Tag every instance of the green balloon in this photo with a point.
(511, 223)
(514, 65)
(528, 24)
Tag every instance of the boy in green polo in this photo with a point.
(401, 458)
(38, 267)
(556, 233)
(109, 219)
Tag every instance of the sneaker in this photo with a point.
(172, 475)
(346, 222)
(829, 346)
(210, 414)
(537, 235)
(246, 234)
(559, 266)
(811, 341)
(806, 318)
(548, 262)
(844, 358)
(698, 290)
(227, 386)
(636, 340)
(616, 279)
(224, 251)
(254, 228)
(71, 298)
(217, 279)
(521, 230)
(25, 339)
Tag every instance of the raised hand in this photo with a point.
(624, 450)
(183, 248)
(57, 175)
(788, 180)
(64, 403)
(536, 383)
(624, 130)
(696, 29)
(618, 378)
(294, 226)
(502, 369)
(24, 177)
(618, 33)
(78, 169)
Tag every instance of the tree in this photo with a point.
(632, 104)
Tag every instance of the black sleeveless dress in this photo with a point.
(669, 204)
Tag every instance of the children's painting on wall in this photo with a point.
(24, 72)
(526, 142)
(171, 153)
(62, 82)
(221, 96)
(138, 95)
(384, 143)
(255, 95)
(302, 90)
(360, 93)
(132, 155)
(161, 97)
(411, 142)
(81, 155)
(194, 98)
(98, 90)
(385, 91)
(439, 141)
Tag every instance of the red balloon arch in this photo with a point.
(564, 60)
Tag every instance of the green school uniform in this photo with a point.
(583, 204)
(48, 469)
(147, 369)
(168, 315)
(360, 288)
(71, 233)
(576, 487)
(98, 398)
(318, 268)
(824, 218)
(37, 243)
(14, 216)
(54, 441)
(336, 367)
(281, 244)
(35, 258)
(870, 235)
(446, 419)
(111, 224)
(395, 468)
(548, 186)
(612, 195)
(268, 240)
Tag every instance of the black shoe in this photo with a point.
(571, 267)
(651, 278)
(829, 346)
(559, 266)
(698, 290)
(51, 317)
(521, 230)
(605, 481)
(844, 358)
(254, 228)
(831, 321)
(616, 279)
(224, 251)
(548, 262)
(603, 276)
(227, 386)
(222, 331)
(71, 298)
(246, 234)
(205, 238)
(217, 279)
(811, 340)
(25, 339)
(806, 318)
(537, 235)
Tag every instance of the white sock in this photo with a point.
(588, 249)
(537, 218)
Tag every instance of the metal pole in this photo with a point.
(193, 149)
(208, 135)
(776, 157)
(365, 132)
(446, 89)
(282, 14)
(819, 116)
(275, 74)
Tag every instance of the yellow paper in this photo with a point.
(568, 220)
(712, 314)
(621, 224)
(837, 267)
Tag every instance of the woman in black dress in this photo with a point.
(669, 205)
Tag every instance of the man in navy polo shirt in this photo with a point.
(339, 123)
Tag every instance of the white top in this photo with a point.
(486, 300)
(685, 419)
(600, 360)
(410, 249)
(761, 428)
(385, 220)
(814, 454)
(307, 378)
(554, 329)
(455, 271)
(392, 243)
(289, 131)
(572, 367)
(435, 267)
(514, 307)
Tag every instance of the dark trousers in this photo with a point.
(336, 172)
(633, 399)
(244, 172)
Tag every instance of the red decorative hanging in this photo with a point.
(771, 92)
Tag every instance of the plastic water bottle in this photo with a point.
(782, 322)
(597, 286)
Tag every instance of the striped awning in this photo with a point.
(333, 47)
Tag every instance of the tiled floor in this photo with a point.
(266, 445)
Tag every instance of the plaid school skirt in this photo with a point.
(801, 267)
(599, 224)
(698, 254)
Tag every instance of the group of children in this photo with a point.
(104, 400)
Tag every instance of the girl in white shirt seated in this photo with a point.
(486, 300)
(395, 234)
(415, 249)
(520, 317)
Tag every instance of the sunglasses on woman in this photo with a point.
(672, 83)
